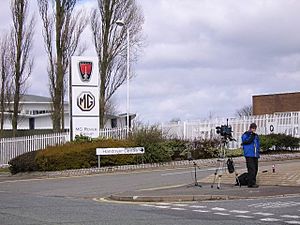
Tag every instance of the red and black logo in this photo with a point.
(85, 69)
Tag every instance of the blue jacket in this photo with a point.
(251, 144)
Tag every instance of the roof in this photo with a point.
(35, 98)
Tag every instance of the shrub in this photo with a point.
(81, 155)
(24, 163)
(156, 148)
(279, 142)
(204, 148)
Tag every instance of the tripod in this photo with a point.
(221, 164)
(196, 181)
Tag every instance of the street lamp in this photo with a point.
(122, 23)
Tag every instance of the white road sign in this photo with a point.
(120, 151)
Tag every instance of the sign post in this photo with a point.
(118, 151)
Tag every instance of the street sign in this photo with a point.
(120, 151)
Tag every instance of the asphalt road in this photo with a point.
(71, 201)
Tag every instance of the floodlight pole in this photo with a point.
(122, 23)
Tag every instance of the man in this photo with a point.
(251, 147)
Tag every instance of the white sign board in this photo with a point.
(120, 151)
(84, 97)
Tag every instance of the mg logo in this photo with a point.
(86, 101)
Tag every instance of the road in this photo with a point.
(72, 201)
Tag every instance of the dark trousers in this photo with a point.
(252, 167)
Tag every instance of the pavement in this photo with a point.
(284, 181)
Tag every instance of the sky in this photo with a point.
(202, 58)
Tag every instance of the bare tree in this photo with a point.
(5, 79)
(245, 111)
(21, 45)
(110, 44)
(62, 31)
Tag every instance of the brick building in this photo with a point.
(272, 103)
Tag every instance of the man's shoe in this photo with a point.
(253, 186)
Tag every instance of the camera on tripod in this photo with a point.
(225, 131)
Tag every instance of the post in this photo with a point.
(128, 70)
(99, 161)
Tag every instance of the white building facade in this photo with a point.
(35, 114)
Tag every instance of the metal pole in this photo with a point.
(128, 46)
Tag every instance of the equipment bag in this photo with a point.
(230, 165)
(242, 179)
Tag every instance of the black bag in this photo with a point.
(230, 165)
(242, 179)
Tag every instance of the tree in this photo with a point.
(21, 45)
(62, 30)
(5, 79)
(245, 111)
(110, 44)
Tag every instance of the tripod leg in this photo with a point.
(216, 174)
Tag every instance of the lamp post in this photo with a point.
(122, 23)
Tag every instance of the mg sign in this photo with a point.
(84, 97)
(86, 101)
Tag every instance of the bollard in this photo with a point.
(273, 168)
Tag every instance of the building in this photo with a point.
(276, 103)
(35, 113)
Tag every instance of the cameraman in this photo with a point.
(251, 147)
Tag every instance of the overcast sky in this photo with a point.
(203, 57)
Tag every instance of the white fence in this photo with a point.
(12, 147)
(287, 123)
(115, 133)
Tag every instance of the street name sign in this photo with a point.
(120, 151)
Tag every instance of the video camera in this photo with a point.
(225, 131)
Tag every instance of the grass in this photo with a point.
(4, 170)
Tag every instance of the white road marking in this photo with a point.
(202, 211)
(218, 209)
(244, 216)
(180, 205)
(198, 206)
(162, 206)
(184, 172)
(239, 211)
(163, 203)
(264, 214)
(147, 205)
(292, 222)
(180, 209)
(270, 219)
(222, 214)
(278, 204)
(290, 216)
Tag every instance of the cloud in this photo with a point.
(202, 56)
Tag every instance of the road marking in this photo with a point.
(162, 206)
(292, 222)
(264, 214)
(218, 209)
(180, 205)
(278, 204)
(290, 216)
(180, 209)
(198, 206)
(163, 203)
(202, 211)
(178, 173)
(244, 216)
(270, 219)
(222, 214)
(239, 211)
